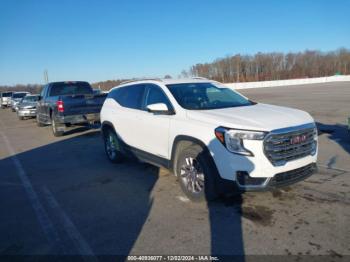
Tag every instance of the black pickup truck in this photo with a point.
(63, 104)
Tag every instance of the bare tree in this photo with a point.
(274, 66)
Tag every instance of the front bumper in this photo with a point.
(279, 180)
(257, 172)
(27, 112)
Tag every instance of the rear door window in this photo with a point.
(129, 96)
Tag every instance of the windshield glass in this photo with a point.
(30, 99)
(71, 88)
(19, 95)
(203, 96)
(8, 94)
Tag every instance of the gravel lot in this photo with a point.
(62, 196)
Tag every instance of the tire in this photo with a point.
(55, 126)
(197, 174)
(112, 145)
(20, 117)
(38, 123)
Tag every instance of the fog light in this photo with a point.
(244, 179)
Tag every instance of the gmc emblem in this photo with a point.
(297, 139)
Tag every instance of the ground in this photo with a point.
(62, 196)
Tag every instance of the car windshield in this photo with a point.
(204, 96)
(70, 88)
(8, 94)
(19, 95)
(30, 99)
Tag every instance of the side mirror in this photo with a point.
(159, 108)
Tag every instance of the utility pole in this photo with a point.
(46, 76)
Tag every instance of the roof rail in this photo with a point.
(140, 79)
(199, 77)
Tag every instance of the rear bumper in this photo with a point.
(79, 119)
(279, 180)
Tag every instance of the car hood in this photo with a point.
(28, 104)
(260, 117)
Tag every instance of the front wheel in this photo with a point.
(196, 175)
(112, 146)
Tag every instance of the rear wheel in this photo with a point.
(112, 146)
(56, 127)
(196, 175)
(38, 123)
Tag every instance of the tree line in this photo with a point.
(32, 88)
(273, 66)
(246, 68)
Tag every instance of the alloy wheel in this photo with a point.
(111, 146)
(192, 175)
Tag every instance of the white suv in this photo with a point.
(213, 139)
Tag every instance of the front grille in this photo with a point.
(279, 148)
(293, 176)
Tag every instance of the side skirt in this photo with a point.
(148, 157)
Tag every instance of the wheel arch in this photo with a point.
(183, 141)
(107, 125)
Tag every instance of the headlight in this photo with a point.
(233, 139)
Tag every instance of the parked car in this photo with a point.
(27, 107)
(5, 99)
(62, 104)
(214, 139)
(16, 98)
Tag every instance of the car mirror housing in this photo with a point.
(160, 108)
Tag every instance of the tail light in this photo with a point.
(60, 106)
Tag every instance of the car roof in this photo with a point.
(164, 81)
(66, 82)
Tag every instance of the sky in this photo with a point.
(96, 40)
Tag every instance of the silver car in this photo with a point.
(16, 98)
(27, 106)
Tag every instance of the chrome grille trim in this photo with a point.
(279, 150)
